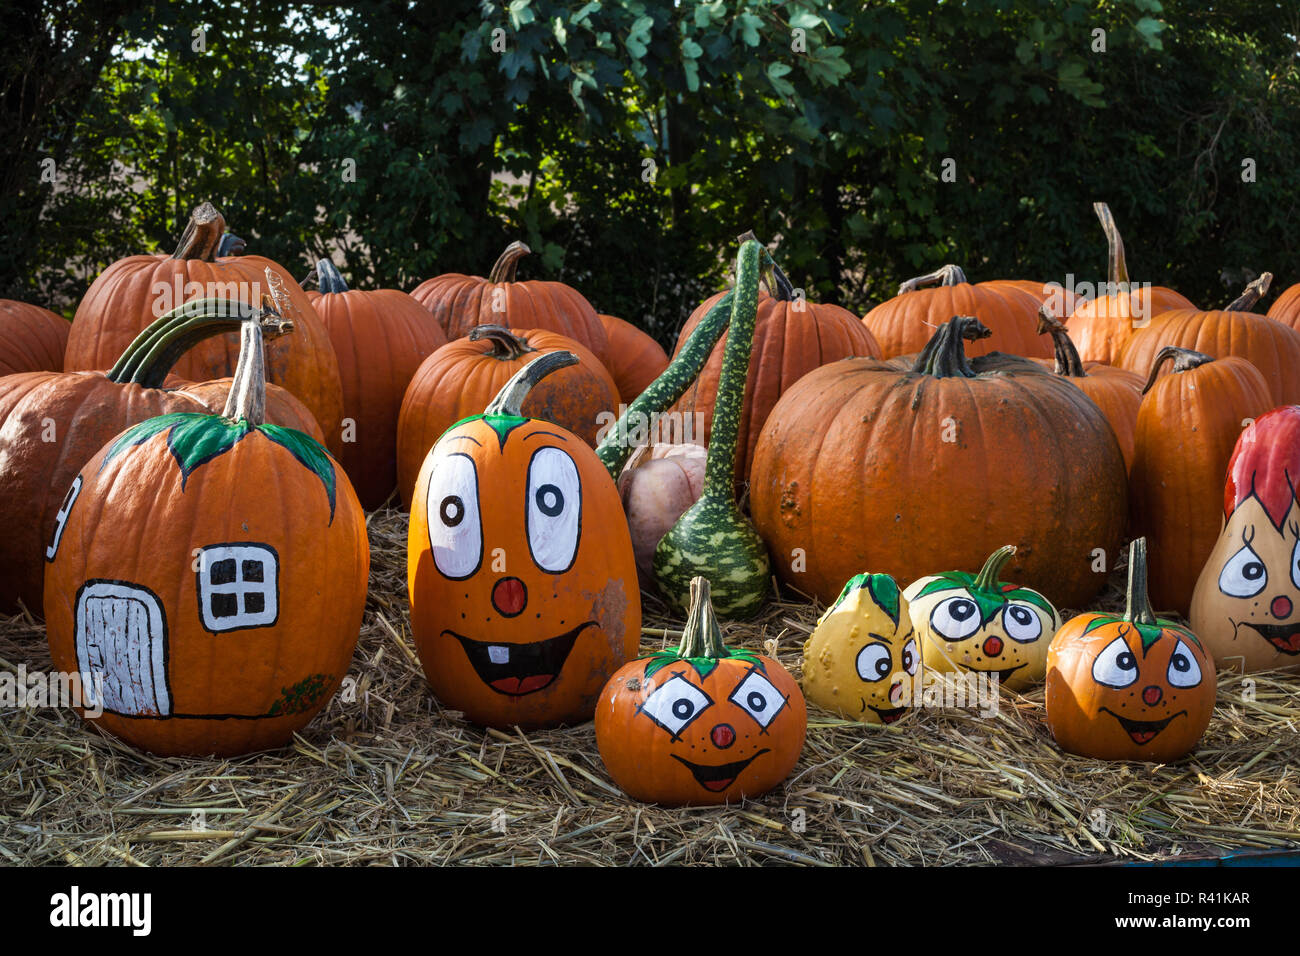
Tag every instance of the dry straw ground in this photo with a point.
(393, 778)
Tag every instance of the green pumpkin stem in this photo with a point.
(510, 399)
(1068, 362)
(505, 345)
(987, 579)
(720, 467)
(944, 356)
(1116, 267)
(203, 234)
(503, 270)
(702, 637)
(944, 275)
(1137, 605)
(329, 277)
(778, 284)
(1184, 361)
(1253, 293)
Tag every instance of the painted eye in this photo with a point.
(1295, 565)
(874, 662)
(1243, 575)
(911, 659)
(455, 533)
(554, 510)
(675, 704)
(1021, 623)
(1115, 666)
(1183, 669)
(955, 619)
(758, 698)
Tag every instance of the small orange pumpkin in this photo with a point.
(704, 724)
(32, 339)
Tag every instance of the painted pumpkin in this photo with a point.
(974, 623)
(862, 660)
(702, 724)
(32, 339)
(519, 565)
(1130, 686)
(208, 575)
(1246, 606)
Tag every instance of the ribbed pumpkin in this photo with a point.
(1286, 308)
(1267, 344)
(380, 337)
(460, 302)
(1058, 299)
(904, 324)
(463, 376)
(32, 339)
(635, 359)
(132, 292)
(209, 577)
(905, 469)
(52, 423)
(1117, 391)
(1101, 325)
(1187, 426)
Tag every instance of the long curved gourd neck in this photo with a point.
(1184, 360)
(779, 287)
(944, 356)
(1068, 362)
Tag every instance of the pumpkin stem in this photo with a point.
(1117, 268)
(1254, 292)
(987, 579)
(1068, 362)
(503, 270)
(1184, 361)
(720, 468)
(329, 277)
(1137, 605)
(505, 345)
(944, 356)
(231, 245)
(778, 285)
(702, 636)
(247, 398)
(944, 275)
(203, 235)
(510, 399)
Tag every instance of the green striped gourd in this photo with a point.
(713, 538)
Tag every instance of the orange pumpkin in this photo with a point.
(519, 566)
(1059, 300)
(32, 339)
(1130, 687)
(704, 724)
(462, 377)
(208, 578)
(1286, 307)
(635, 359)
(134, 291)
(380, 337)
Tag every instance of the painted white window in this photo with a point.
(238, 586)
(61, 519)
(122, 648)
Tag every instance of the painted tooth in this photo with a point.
(499, 653)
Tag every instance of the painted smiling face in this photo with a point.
(704, 724)
(862, 658)
(976, 623)
(520, 567)
(1246, 606)
(1129, 687)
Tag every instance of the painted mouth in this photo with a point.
(1285, 637)
(719, 778)
(519, 669)
(1002, 674)
(888, 715)
(1143, 731)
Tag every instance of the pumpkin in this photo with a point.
(208, 577)
(1117, 391)
(132, 292)
(1245, 603)
(380, 337)
(713, 536)
(519, 566)
(460, 302)
(1270, 346)
(974, 623)
(703, 724)
(1187, 426)
(659, 483)
(862, 661)
(1130, 686)
(635, 359)
(1101, 325)
(910, 467)
(905, 323)
(1059, 300)
(52, 423)
(32, 339)
(1286, 307)
(462, 377)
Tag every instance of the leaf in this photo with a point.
(193, 438)
(748, 25)
(309, 454)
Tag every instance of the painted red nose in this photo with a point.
(723, 736)
(1281, 607)
(993, 647)
(1152, 695)
(509, 597)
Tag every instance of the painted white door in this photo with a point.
(122, 648)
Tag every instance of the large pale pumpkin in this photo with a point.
(32, 339)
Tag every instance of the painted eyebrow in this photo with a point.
(552, 434)
(466, 438)
(880, 637)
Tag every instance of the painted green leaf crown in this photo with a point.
(988, 601)
(704, 666)
(1149, 633)
(882, 588)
